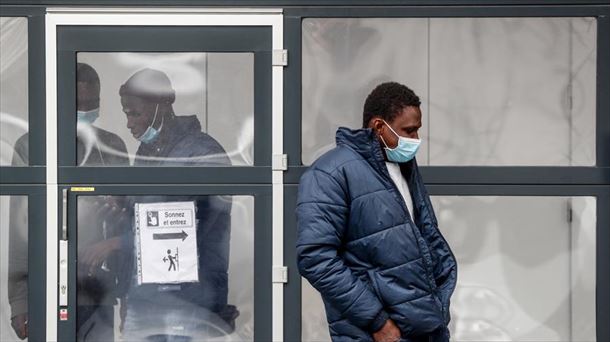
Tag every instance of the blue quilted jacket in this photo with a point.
(358, 246)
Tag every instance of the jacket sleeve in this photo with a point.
(322, 216)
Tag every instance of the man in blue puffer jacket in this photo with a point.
(368, 239)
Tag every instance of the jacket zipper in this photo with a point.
(406, 215)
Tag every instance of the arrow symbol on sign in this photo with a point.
(170, 236)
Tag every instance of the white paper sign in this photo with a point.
(166, 242)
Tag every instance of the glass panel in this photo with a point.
(343, 60)
(165, 109)
(14, 91)
(160, 268)
(13, 267)
(526, 269)
(314, 327)
(494, 91)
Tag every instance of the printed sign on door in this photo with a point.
(166, 242)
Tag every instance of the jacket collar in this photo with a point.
(174, 130)
(365, 142)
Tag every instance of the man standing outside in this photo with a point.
(368, 239)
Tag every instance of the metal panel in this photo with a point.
(292, 290)
(292, 93)
(22, 175)
(603, 89)
(603, 265)
(161, 38)
(499, 175)
(264, 98)
(450, 10)
(294, 2)
(181, 175)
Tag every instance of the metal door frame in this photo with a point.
(159, 17)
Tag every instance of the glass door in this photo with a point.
(164, 169)
(159, 263)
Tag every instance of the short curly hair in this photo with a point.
(387, 100)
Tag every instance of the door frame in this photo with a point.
(243, 17)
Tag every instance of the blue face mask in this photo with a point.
(404, 151)
(87, 117)
(151, 134)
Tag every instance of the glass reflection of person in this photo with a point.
(95, 147)
(167, 139)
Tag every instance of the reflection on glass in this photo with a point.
(495, 91)
(167, 274)
(165, 109)
(526, 269)
(95, 146)
(314, 326)
(13, 268)
(13, 91)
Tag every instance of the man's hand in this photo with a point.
(93, 256)
(388, 333)
(20, 325)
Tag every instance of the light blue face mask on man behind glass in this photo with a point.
(87, 116)
(404, 151)
(151, 133)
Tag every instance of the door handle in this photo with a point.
(63, 251)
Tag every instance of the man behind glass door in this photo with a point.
(94, 147)
(368, 239)
(184, 310)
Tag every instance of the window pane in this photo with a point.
(494, 91)
(314, 326)
(13, 267)
(165, 109)
(167, 271)
(526, 269)
(14, 91)
(526, 266)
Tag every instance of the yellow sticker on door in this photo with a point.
(82, 189)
